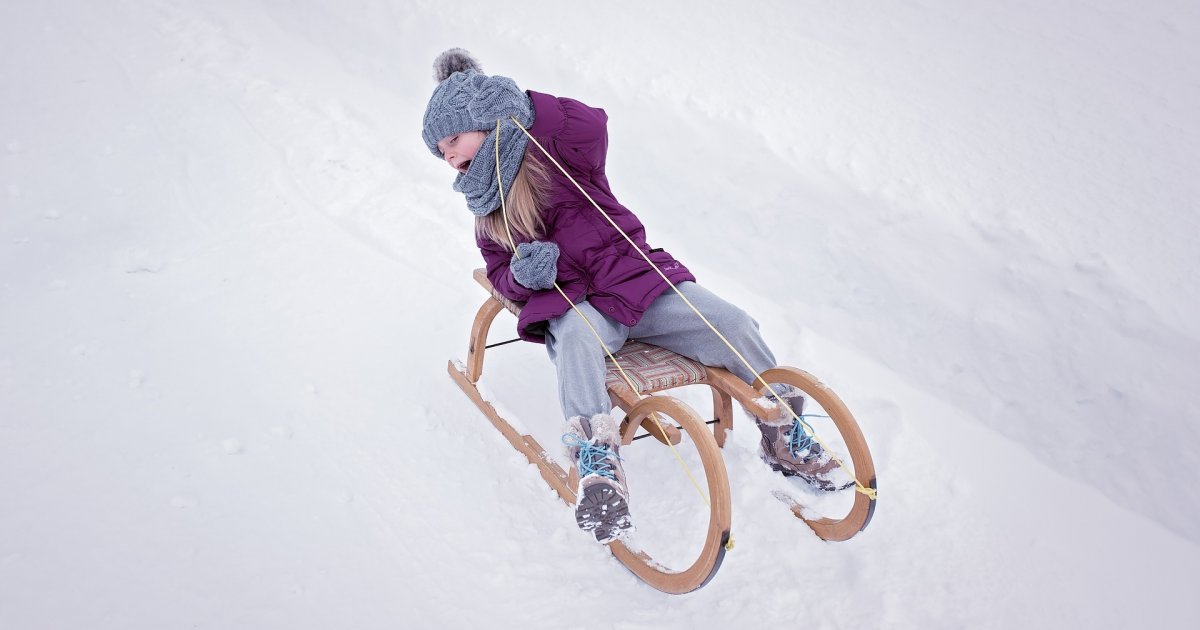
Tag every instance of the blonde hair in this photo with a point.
(524, 205)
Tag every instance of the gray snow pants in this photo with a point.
(668, 323)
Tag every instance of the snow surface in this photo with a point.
(231, 277)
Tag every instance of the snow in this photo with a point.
(231, 277)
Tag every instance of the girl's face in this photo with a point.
(458, 150)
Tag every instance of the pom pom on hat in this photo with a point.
(454, 60)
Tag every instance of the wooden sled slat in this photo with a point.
(555, 476)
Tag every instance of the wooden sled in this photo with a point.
(652, 370)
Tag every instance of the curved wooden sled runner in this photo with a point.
(655, 369)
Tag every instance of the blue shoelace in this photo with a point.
(593, 458)
(801, 437)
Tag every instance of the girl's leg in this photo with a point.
(579, 359)
(670, 324)
(592, 436)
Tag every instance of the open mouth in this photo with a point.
(462, 168)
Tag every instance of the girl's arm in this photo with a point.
(497, 259)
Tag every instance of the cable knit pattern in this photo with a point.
(498, 98)
(447, 114)
(468, 100)
(478, 184)
(535, 265)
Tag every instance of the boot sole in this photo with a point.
(603, 512)
(817, 484)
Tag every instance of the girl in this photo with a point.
(560, 239)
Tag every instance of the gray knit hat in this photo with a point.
(468, 100)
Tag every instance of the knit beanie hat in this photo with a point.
(468, 100)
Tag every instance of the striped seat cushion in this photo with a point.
(653, 369)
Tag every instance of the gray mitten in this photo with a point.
(535, 265)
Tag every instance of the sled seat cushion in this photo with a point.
(653, 369)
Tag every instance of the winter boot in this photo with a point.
(602, 498)
(789, 449)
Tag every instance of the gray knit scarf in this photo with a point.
(478, 184)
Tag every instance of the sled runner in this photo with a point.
(652, 369)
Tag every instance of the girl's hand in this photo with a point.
(535, 265)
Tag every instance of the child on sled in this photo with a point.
(549, 234)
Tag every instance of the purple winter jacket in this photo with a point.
(595, 262)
